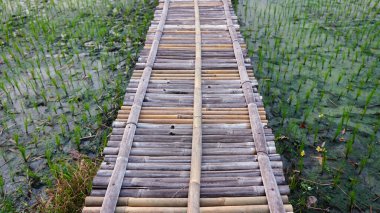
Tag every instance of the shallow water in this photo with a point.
(318, 68)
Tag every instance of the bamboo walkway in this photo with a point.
(191, 135)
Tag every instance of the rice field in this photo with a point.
(64, 67)
(318, 65)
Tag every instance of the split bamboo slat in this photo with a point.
(191, 135)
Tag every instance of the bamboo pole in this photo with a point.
(227, 191)
(271, 188)
(213, 209)
(185, 174)
(196, 154)
(182, 202)
(114, 186)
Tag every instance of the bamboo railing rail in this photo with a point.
(191, 135)
(193, 204)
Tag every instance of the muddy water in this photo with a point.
(318, 68)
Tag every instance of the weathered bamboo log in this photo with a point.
(190, 108)
(183, 192)
(186, 159)
(186, 166)
(183, 151)
(184, 174)
(185, 126)
(182, 202)
(168, 131)
(219, 209)
(188, 138)
(193, 204)
(177, 183)
(188, 145)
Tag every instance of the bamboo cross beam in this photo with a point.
(182, 202)
(271, 188)
(116, 181)
(193, 205)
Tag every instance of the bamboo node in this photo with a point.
(262, 152)
(134, 123)
(244, 82)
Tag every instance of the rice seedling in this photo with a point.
(26, 125)
(22, 149)
(352, 192)
(350, 142)
(2, 183)
(5, 91)
(34, 140)
(77, 137)
(368, 99)
(58, 142)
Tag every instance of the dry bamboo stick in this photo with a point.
(189, 121)
(219, 209)
(162, 131)
(185, 174)
(187, 112)
(186, 159)
(189, 108)
(223, 166)
(185, 126)
(187, 138)
(152, 115)
(204, 71)
(182, 151)
(193, 204)
(114, 186)
(184, 116)
(182, 202)
(236, 191)
(176, 183)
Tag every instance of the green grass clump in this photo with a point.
(73, 184)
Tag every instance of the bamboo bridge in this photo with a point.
(191, 135)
